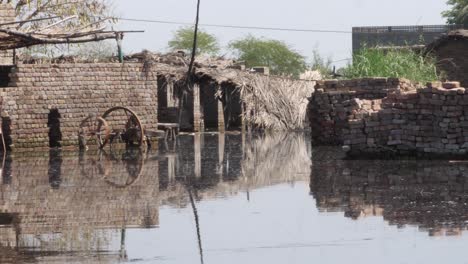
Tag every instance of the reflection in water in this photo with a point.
(99, 207)
(64, 205)
(221, 165)
(431, 195)
(55, 168)
(68, 206)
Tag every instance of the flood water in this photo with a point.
(229, 198)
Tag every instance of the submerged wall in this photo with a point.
(431, 120)
(44, 100)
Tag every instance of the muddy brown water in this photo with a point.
(231, 198)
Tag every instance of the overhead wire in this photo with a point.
(235, 26)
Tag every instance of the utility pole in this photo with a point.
(195, 38)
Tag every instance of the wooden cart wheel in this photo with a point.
(92, 127)
(134, 132)
(102, 132)
(133, 161)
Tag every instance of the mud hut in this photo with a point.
(451, 52)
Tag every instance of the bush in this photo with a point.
(398, 63)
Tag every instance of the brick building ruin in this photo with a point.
(391, 117)
(43, 102)
(451, 52)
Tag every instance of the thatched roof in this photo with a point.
(271, 102)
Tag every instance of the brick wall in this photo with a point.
(329, 105)
(7, 14)
(75, 90)
(426, 121)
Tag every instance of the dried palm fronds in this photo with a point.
(276, 158)
(275, 103)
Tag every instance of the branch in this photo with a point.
(17, 39)
(56, 23)
(33, 14)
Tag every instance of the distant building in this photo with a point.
(451, 52)
(398, 35)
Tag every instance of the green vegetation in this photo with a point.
(275, 54)
(322, 65)
(392, 63)
(458, 14)
(183, 40)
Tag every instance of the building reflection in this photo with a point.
(431, 195)
(62, 205)
(225, 164)
(68, 206)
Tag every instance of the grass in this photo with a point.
(396, 63)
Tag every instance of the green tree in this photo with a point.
(183, 40)
(458, 14)
(278, 56)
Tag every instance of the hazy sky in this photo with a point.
(306, 14)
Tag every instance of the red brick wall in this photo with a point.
(7, 14)
(76, 90)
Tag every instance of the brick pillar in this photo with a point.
(198, 124)
(7, 14)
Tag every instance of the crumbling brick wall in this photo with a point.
(431, 120)
(426, 121)
(7, 14)
(331, 105)
(76, 91)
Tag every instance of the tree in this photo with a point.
(183, 40)
(458, 14)
(87, 11)
(275, 54)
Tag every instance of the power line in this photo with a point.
(235, 26)
(342, 60)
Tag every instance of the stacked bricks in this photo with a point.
(7, 14)
(432, 120)
(76, 91)
(429, 121)
(333, 101)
